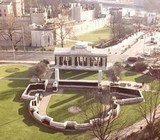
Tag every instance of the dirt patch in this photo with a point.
(74, 109)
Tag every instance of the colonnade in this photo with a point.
(84, 61)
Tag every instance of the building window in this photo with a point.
(4, 10)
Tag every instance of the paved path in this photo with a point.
(44, 103)
(14, 78)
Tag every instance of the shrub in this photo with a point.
(140, 66)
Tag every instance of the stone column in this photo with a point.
(103, 62)
(57, 60)
(98, 61)
(67, 60)
(93, 61)
(63, 60)
(88, 61)
(78, 60)
(73, 61)
(99, 76)
(83, 61)
(57, 75)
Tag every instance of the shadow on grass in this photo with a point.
(130, 73)
(65, 101)
(75, 74)
(6, 95)
(24, 112)
(144, 78)
(23, 74)
(18, 83)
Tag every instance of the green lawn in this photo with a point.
(130, 114)
(15, 121)
(17, 124)
(60, 103)
(93, 75)
(14, 71)
(100, 34)
(81, 75)
(139, 78)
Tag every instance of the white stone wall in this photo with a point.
(88, 15)
(38, 18)
(89, 26)
(41, 38)
(78, 14)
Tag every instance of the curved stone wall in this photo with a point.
(67, 126)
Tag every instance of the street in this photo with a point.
(114, 53)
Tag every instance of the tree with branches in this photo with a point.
(40, 69)
(114, 72)
(102, 115)
(11, 32)
(63, 28)
(149, 109)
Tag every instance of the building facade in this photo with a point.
(80, 57)
(42, 37)
(11, 8)
(6, 8)
(79, 13)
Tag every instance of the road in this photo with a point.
(27, 56)
(115, 53)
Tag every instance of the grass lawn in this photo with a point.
(14, 71)
(15, 121)
(93, 75)
(130, 114)
(17, 124)
(139, 78)
(78, 74)
(60, 103)
(100, 34)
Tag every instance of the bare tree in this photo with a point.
(116, 23)
(102, 114)
(137, 21)
(11, 32)
(40, 69)
(62, 26)
(148, 110)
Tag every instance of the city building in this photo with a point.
(41, 37)
(80, 57)
(11, 7)
(38, 16)
(6, 8)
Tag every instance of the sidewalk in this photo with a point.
(21, 62)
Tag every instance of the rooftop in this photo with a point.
(80, 48)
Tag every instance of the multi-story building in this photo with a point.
(6, 8)
(18, 7)
(11, 7)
